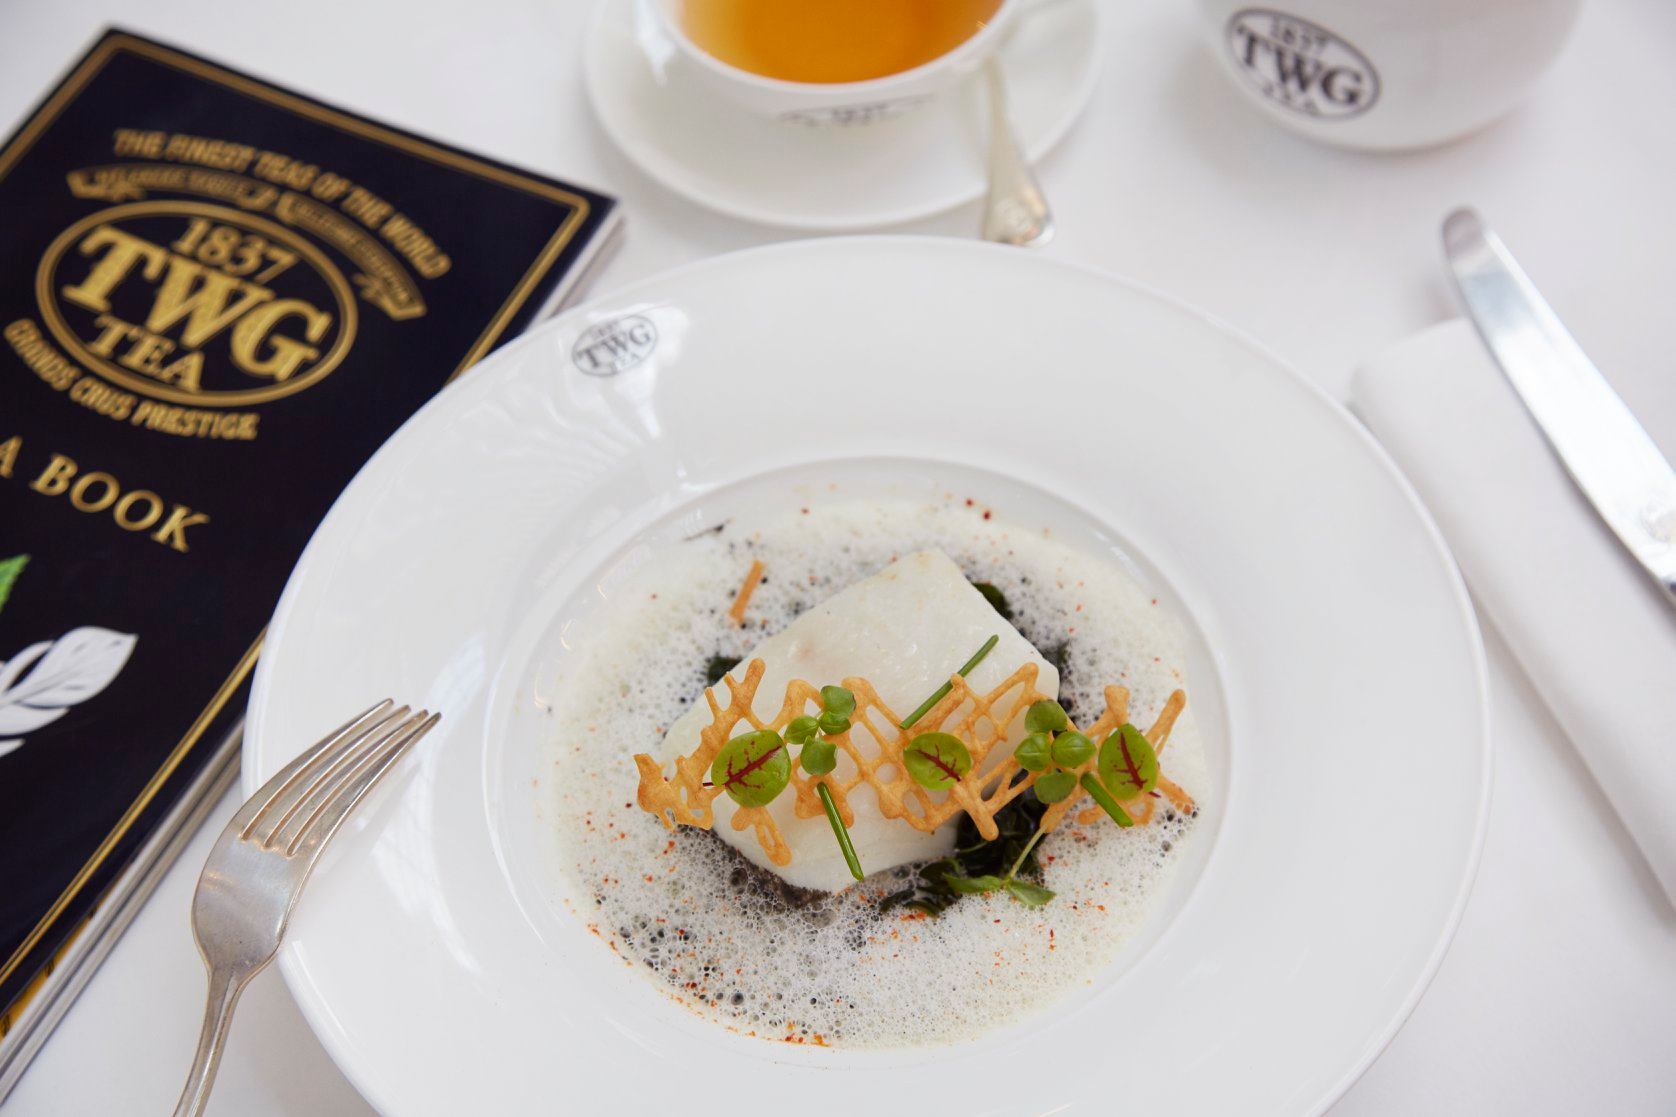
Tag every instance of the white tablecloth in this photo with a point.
(1559, 994)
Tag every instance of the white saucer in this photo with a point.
(829, 178)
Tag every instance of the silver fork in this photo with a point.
(259, 864)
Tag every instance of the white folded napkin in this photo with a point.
(1583, 618)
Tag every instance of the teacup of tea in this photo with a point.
(835, 61)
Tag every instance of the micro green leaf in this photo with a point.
(1128, 763)
(818, 757)
(1030, 895)
(832, 724)
(802, 730)
(1072, 750)
(936, 760)
(1055, 786)
(1032, 752)
(1046, 716)
(837, 701)
(972, 885)
(752, 768)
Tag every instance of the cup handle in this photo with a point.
(1016, 17)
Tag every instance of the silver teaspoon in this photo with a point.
(1015, 211)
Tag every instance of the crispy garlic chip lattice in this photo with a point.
(875, 744)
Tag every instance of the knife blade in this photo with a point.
(1605, 449)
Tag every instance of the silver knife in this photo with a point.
(1607, 452)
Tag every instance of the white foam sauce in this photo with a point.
(681, 908)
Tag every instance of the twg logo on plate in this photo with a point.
(1300, 65)
(195, 303)
(607, 348)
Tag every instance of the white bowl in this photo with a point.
(440, 955)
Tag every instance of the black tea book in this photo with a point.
(217, 299)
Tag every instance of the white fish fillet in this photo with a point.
(906, 629)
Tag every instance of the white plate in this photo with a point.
(435, 955)
(829, 178)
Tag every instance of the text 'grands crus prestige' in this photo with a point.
(63, 375)
(96, 492)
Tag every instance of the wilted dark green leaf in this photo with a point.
(997, 600)
(717, 667)
(969, 886)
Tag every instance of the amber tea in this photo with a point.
(826, 41)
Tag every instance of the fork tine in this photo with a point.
(305, 794)
(319, 827)
(290, 792)
(253, 807)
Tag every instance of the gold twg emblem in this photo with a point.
(195, 303)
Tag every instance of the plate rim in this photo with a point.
(317, 1013)
(658, 170)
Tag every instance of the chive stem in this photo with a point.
(1103, 797)
(942, 692)
(840, 830)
